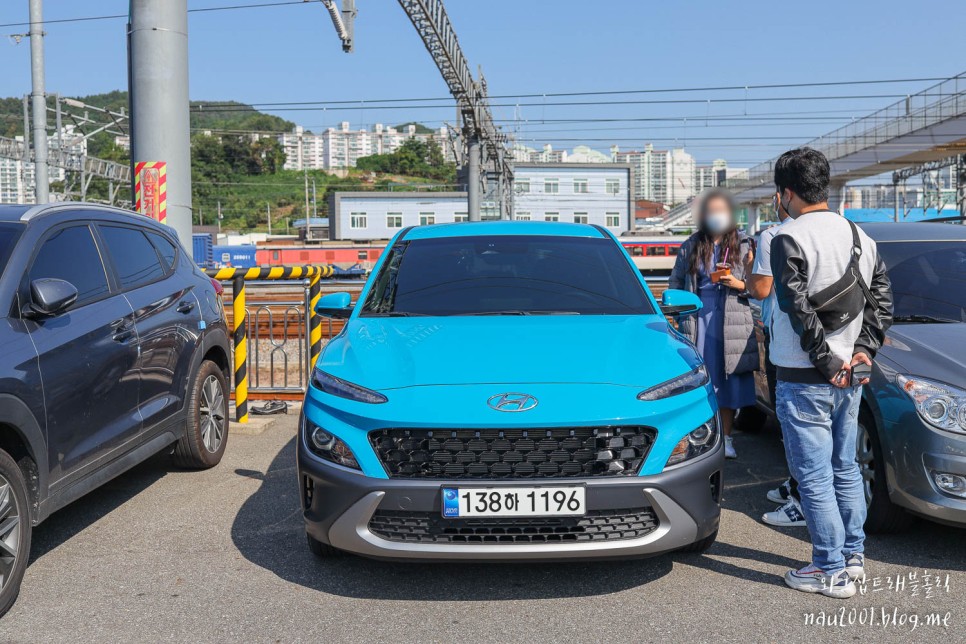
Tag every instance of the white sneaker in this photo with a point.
(782, 493)
(855, 565)
(729, 448)
(789, 515)
(812, 580)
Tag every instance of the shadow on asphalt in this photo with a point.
(268, 531)
(65, 523)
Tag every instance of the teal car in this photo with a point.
(509, 391)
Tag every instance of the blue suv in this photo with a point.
(509, 391)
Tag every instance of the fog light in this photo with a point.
(950, 483)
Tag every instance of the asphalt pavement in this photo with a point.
(161, 554)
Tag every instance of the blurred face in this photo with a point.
(718, 218)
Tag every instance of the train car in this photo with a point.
(653, 255)
(243, 256)
(351, 259)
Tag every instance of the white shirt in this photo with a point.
(762, 266)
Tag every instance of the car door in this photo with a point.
(88, 355)
(166, 315)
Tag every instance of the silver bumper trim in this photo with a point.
(676, 529)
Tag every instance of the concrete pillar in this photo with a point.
(158, 83)
(473, 181)
(754, 219)
(836, 197)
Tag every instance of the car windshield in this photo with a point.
(8, 237)
(506, 275)
(928, 280)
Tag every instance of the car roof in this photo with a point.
(12, 212)
(914, 231)
(503, 227)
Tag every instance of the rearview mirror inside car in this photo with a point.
(49, 296)
(335, 305)
(676, 303)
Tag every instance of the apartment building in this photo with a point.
(342, 147)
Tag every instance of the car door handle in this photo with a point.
(185, 306)
(123, 335)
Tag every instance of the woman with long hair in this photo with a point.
(711, 264)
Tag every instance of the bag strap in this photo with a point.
(856, 254)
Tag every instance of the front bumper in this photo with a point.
(338, 505)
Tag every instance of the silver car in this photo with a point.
(911, 446)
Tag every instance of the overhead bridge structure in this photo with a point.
(924, 127)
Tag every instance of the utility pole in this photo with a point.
(219, 216)
(473, 180)
(158, 83)
(268, 214)
(308, 215)
(38, 100)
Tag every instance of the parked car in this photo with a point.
(509, 391)
(911, 445)
(113, 346)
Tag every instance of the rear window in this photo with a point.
(8, 237)
(507, 275)
(135, 259)
(165, 248)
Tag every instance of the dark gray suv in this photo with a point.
(113, 346)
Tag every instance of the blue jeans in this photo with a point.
(819, 425)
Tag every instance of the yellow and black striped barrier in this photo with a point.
(240, 322)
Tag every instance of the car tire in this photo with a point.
(883, 515)
(321, 550)
(15, 531)
(206, 429)
(701, 546)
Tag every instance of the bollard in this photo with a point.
(239, 315)
(315, 333)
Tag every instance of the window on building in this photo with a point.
(522, 186)
(358, 220)
(394, 220)
(581, 186)
(522, 216)
(551, 216)
(580, 218)
(613, 220)
(612, 186)
(427, 218)
(551, 186)
(461, 216)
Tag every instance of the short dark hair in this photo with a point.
(804, 171)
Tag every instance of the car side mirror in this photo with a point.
(49, 296)
(335, 305)
(675, 303)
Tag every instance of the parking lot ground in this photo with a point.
(161, 554)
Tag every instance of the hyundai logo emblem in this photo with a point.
(512, 402)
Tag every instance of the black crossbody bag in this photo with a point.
(840, 303)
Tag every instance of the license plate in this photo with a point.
(514, 502)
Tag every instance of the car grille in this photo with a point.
(596, 525)
(512, 453)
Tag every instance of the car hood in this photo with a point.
(935, 351)
(389, 353)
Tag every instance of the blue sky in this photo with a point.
(290, 53)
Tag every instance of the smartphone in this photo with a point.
(860, 372)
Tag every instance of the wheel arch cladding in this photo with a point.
(22, 438)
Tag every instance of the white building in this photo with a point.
(665, 176)
(17, 178)
(587, 193)
(380, 215)
(341, 147)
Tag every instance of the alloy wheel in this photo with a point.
(9, 531)
(212, 414)
(865, 457)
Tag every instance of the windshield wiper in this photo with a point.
(925, 319)
(394, 314)
(521, 312)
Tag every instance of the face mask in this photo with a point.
(717, 222)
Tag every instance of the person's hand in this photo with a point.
(732, 282)
(860, 358)
(843, 376)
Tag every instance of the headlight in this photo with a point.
(682, 384)
(700, 441)
(344, 389)
(941, 405)
(328, 447)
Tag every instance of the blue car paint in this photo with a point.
(413, 361)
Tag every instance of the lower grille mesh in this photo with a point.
(596, 525)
